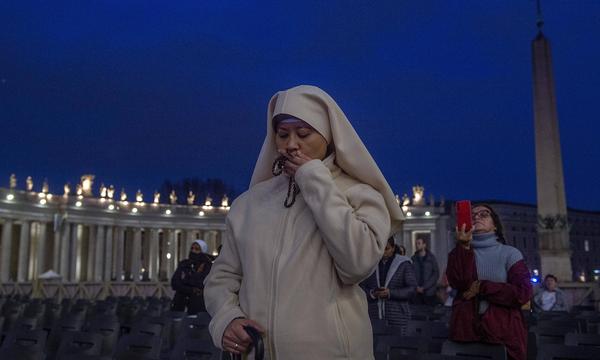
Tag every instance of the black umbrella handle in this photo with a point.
(257, 343)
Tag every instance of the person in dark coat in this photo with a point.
(188, 280)
(390, 287)
(493, 283)
(427, 273)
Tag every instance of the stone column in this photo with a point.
(189, 239)
(108, 251)
(99, 257)
(6, 250)
(91, 252)
(136, 254)
(153, 255)
(56, 251)
(23, 251)
(41, 251)
(75, 254)
(65, 251)
(172, 249)
(119, 252)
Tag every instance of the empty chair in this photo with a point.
(12, 313)
(109, 328)
(396, 345)
(187, 349)
(26, 323)
(380, 327)
(58, 331)
(24, 344)
(51, 315)
(565, 352)
(433, 329)
(550, 334)
(474, 350)
(138, 346)
(553, 315)
(147, 329)
(80, 343)
(570, 324)
(197, 323)
(573, 339)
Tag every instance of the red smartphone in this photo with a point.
(463, 214)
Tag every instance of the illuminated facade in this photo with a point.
(86, 240)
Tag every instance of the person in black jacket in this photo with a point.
(427, 273)
(390, 287)
(188, 280)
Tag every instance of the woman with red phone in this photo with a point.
(492, 280)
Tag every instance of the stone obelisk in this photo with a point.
(553, 227)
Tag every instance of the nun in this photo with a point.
(313, 224)
(188, 279)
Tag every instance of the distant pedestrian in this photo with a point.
(390, 288)
(550, 297)
(427, 273)
(188, 279)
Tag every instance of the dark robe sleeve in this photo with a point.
(368, 285)
(515, 292)
(461, 270)
(178, 284)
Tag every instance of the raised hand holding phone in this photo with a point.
(464, 225)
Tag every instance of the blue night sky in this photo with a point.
(136, 92)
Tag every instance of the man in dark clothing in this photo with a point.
(426, 272)
(188, 280)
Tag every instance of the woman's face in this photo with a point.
(482, 220)
(293, 135)
(389, 251)
(196, 249)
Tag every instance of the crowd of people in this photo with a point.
(310, 258)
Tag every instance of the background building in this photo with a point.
(97, 242)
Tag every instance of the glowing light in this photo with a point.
(534, 280)
(78, 204)
(201, 213)
(409, 214)
(139, 197)
(215, 253)
(168, 255)
(405, 208)
(225, 202)
(49, 196)
(427, 213)
(111, 207)
(9, 197)
(43, 201)
(134, 210)
(168, 211)
(41, 195)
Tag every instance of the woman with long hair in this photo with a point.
(493, 282)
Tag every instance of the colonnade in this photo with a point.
(92, 240)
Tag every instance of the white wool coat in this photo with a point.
(296, 270)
